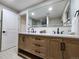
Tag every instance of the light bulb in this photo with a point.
(33, 13)
(50, 8)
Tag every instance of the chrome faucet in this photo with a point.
(31, 30)
(58, 31)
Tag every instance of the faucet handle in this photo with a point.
(54, 32)
(62, 32)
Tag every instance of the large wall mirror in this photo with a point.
(50, 14)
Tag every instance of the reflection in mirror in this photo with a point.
(38, 22)
(51, 15)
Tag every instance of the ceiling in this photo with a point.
(57, 11)
(20, 5)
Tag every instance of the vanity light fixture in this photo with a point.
(33, 13)
(50, 8)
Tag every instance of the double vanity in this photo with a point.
(50, 47)
(47, 31)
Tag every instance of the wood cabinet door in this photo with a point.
(25, 43)
(72, 49)
(54, 49)
(21, 44)
(28, 43)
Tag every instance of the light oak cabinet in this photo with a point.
(40, 46)
(71, 49)
(50, 47)
(54, 49)
(64, 48)
(21, 43)
(35, 45)
(25, 43)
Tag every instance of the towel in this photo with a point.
(75, 25)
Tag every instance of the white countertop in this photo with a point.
(54, 35)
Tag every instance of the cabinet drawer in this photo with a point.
(39, 40)
(39, 47)
(39, 44)
(41, 52)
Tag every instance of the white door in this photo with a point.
(9, 30)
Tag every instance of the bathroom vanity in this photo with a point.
(46, 31)
(50, 47)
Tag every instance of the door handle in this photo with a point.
(63, 46)
(23, 38)
(3, 31)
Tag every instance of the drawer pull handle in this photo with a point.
(63, 46)
(38, 45)
(23, 38)
(37, 39)
(37, 51)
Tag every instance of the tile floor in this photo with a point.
(10, 57)
(9, 54)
